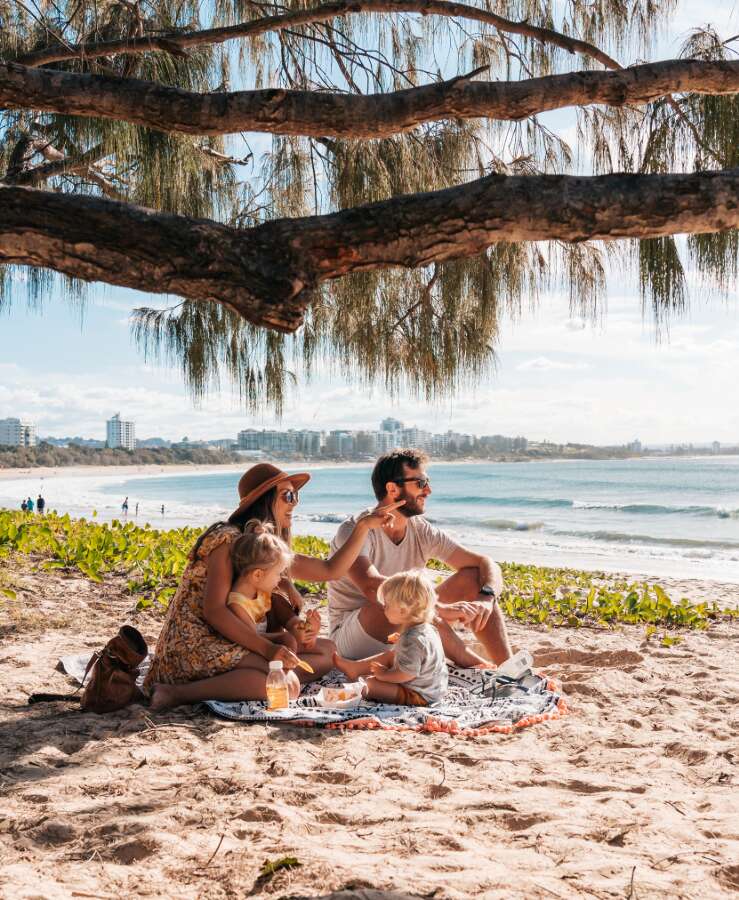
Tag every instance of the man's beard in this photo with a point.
(410, 508)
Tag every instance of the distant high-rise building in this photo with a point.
(119, 433)
(716, 447)
(17, 433)
(391, 424)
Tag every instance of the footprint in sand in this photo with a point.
(522, 822)
(602, 659)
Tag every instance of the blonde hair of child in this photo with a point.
(258, 548)
(413, 593)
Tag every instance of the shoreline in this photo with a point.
(90, 493)
(152, 469)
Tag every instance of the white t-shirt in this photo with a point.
(421, 543)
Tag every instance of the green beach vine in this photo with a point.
(152, 561)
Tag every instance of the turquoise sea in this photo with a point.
(654, 516)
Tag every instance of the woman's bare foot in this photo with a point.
(351, 667)
(163, 696)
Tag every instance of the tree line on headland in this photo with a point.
(49, 455)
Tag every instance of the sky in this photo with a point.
(556, 377)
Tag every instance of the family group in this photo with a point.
(237, 608)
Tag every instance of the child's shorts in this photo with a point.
(409, 697)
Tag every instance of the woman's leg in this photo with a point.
(245, 682)
(320, 658)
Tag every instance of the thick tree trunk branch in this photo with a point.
(267, 274)
(318, 114)
(178, 41)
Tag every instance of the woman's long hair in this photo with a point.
(263, 509)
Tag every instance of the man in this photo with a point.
(40, 504)
(469, 596)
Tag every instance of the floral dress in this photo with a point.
(188, 648)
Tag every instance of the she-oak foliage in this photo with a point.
(428, 328)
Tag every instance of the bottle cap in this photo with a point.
(275, 664)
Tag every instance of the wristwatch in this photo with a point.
(488, 590)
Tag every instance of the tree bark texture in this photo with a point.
(267, 273)
(179, 41)
(318, 114)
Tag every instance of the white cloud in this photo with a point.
(545, 364)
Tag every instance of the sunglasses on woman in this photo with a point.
(290, 497)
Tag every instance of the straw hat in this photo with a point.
(260, 479)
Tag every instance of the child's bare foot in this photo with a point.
(162, 697)
(350, 667)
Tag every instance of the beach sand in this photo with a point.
(630, 795)
(40, 472)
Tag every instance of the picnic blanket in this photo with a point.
(477, 702)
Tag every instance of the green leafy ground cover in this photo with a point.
(152, 562)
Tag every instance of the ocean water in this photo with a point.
(677, 517)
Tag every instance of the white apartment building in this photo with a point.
(17, 433)
(119, 433)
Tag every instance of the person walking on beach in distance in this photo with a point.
(24, 506)
(40, 505)
(162, 509)
(124, 507)
(137, 508)
(358, 625)
(29, 505)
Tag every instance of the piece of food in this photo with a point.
(306, 666)
(393, 638)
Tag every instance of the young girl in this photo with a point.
(414, 673)
(260, 559)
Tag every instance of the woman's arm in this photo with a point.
(308, 568)
(219, 616)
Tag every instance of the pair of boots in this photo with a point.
(112, 670)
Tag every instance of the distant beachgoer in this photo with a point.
(203, 648)
(137, 507)
(162, 509)
(40, 504)
(358, 624)
(29, 505)
(124, 507)
(24, 506)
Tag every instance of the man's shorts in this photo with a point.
(353, 642)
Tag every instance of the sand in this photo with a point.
(631, 795)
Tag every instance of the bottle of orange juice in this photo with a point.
(278, 693)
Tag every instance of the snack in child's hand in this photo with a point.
(393, 638)
(306, 667)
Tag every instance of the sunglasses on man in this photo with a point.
(422, 483)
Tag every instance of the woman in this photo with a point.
(201, 652)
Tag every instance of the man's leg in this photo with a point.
(464, 585)
(355, 640)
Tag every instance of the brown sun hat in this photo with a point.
(261, 478)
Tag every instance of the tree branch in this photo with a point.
(319, 114)
(267, 274)
(173, 41)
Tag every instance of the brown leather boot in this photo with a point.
(112, 683)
